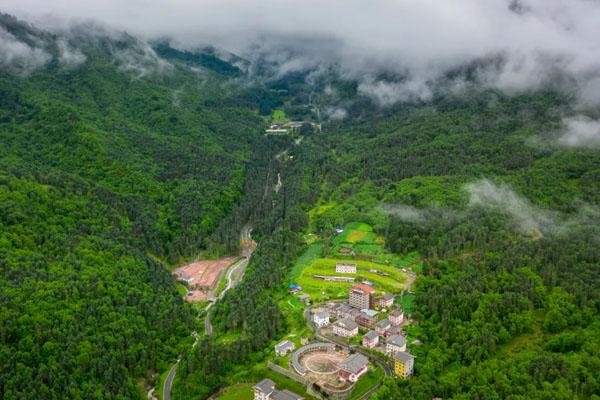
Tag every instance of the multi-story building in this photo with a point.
(395, 344)
(383, 326)
(387, 300)
(396, 317)
(345, 327)
(361, 296)
(366, 318)
(321, 318)
(403, 364)
(343, 310)
(353, 367)
(370, 339)
(345, 268)
(265, 390)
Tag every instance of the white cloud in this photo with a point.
(68, 56)
(336, 113)
(388, 93)
(419, 39)
(141, 59)
(580, 131)
(19, 55)
(527, 218)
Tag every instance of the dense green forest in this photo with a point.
(110, 171)
(134, 158)
(508, 301)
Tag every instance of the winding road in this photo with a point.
(234, 275)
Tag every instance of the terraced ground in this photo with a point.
(383, 269)
(385, 278)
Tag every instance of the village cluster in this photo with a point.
(384, 327)
(333, 366)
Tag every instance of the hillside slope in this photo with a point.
(111, 167)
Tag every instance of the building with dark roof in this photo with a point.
(345, 327)
(404, 364)
(395, 344)
(387, 300)
(285, 347)
(383, 326)
(265, 390)
(370, 339)
(353, 367)
(396, 317)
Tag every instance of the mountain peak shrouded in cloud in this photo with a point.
(420, 41)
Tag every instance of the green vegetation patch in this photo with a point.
(242, 391)
(386, 278)
(367, 381)
(279, 115)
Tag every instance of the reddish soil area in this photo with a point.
(201, 276)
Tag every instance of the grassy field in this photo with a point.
(366, 382)
(279, 115)
(308, 257)
(242, 391)
(321, 290)
(406, 302)
(359, 237)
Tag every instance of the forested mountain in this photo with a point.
(120, 158)
(112, 167)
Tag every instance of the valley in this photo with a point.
(179, 221)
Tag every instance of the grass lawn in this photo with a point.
(321, 290)
(242, 391)
(259, 371)
(407, 302)
(359, 237)
(312, 253)
(365, 383)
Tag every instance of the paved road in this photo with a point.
(248, 246)
(234, 278)
(169, 382)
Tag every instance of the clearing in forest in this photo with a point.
(314, 278)
(201, 277)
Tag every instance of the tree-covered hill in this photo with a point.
(112, 166)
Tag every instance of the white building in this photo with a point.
(396, 317)
(265, 390)
(395, 344)
(321, 318)
(345, 328)
(345, 268)
(283, 348)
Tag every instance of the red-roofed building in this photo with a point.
(361, 296)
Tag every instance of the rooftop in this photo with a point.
(397, 340)
(371, 335)
(369, 312)
(383, 323)
(364, 288)
(265, 386)
(395, 313)
(322, 314)
(285, 345)
(388, 296)
(403, 356)
(347, 323)
(354, 363)
(285, 395)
